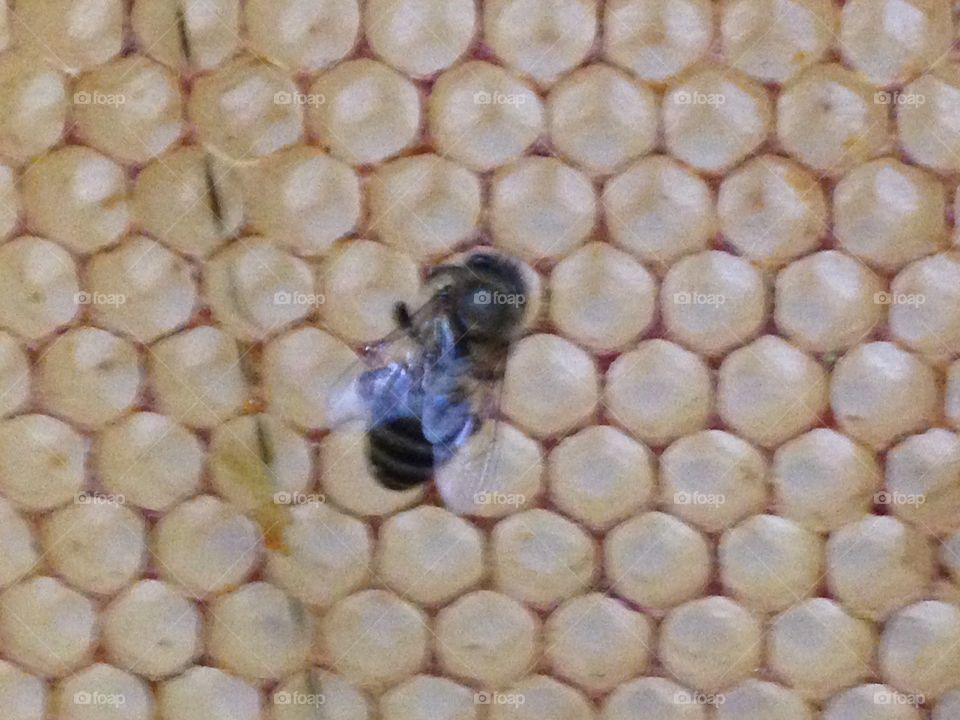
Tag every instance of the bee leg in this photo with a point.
(401, 315)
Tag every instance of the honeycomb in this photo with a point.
(727, 477)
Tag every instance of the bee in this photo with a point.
(422, 406)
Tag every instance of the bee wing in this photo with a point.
(349, 398)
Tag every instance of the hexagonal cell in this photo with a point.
(426, 697)
(601, 118)
(259, 615)
(482, 116)
(430, 555)
(871, 702)
(190, 200)
(435, 38)
(205, 546)
(140, 289)
(924, 303)
(642, 554)
(768, 391)
(245, 109)
(550, 385)
(196, 376)
(541, 208)
(888, 214)
(129, 109)
(327, 555)
(23, 696)
(659, 392)
(340, 698)
(187, 34)
(773, 40)
(768, 562)
(541, 558)
(89, 376)
(772, 210)
(600, 476)
(542, 696)
(304, 36)
(98, 547)
(540, 38)
(361, 283)
(824, 480)
(732, 650)
(758, 700)
(315, 199)
(659, 210)
(713, 479)
(923, 480)
(46, 627)
(657, 39)
(486, 638)
(654, 697)
(149, 459)
(877, 565)
(42, 462)
(255, 288)
(424, 205)
(880, 392)
(35, 103)
(925, 630)
(152, 630)
(375, 639)
(206, 692)
(78, 197)
(40, 287)
(713, 301)
(826, 302)
(102, 690)
(71, 34)
(829, 119)
(715, 118)
(892, 41)
(597, 643)
(601, 297)
(386, 122)
(818, 649)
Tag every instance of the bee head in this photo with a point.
(492, 298)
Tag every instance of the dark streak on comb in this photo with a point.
(184, 35)
(264, 447)
(213, 194)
